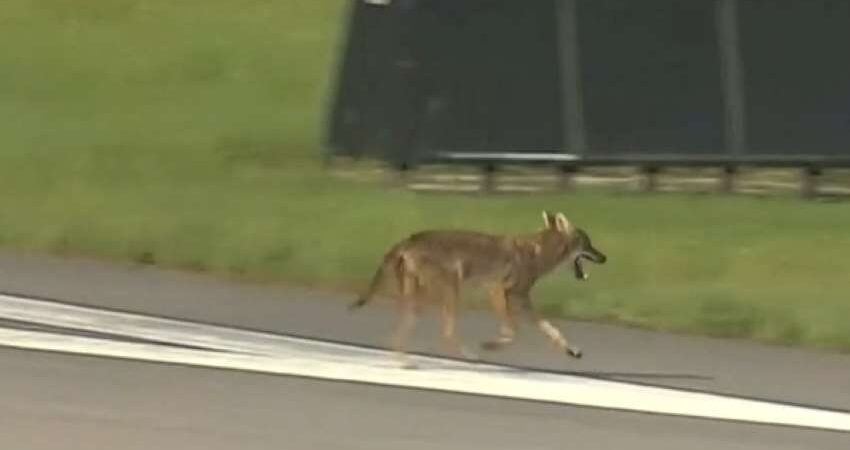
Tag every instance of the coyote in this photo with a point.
(433, 264)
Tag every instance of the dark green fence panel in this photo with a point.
(420, 76)
(607, 79)
(650, 75)
(377, 109)
(797, 75)
(493, 79)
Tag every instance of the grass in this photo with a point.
(186, 134)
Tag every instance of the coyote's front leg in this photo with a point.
(551, 332)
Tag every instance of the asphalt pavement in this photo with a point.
(58, 401)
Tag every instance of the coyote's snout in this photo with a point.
(587, 251)
(433, 264)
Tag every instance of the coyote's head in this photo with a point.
(580, 244)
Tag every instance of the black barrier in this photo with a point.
(797, 75)
(650, 76)
(600, 81)
(490, 80)
(468, 75)
(380, 102)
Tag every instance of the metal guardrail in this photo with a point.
(815, 162)
(568, 164)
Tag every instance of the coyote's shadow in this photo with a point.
(486, 367)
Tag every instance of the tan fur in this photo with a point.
(432, 265)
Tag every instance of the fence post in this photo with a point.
(651, 178)
(565, 174)
(729, 45)
(727, 184)
(809, 185)
(401, 175)
(573, 131)
(488, 180)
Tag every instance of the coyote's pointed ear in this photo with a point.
(561, 223)
(549, 220)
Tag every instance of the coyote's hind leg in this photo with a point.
(408, 312)
(507, 324)
(449, 318)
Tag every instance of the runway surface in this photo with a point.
(104, 402)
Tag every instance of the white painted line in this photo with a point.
(146, 327)
(543, 387)
(267, 353)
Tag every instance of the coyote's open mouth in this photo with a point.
(578, 268)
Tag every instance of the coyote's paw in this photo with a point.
(574, 352)
(469, 354)
(409, 365)
(490, 345)
(496, 344)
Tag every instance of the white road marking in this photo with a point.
(274, 354)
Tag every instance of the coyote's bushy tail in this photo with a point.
(392, 261)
